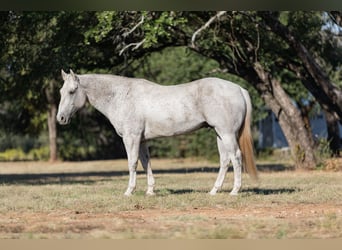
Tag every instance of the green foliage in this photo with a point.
(17, 154)
(175, 65)
(37, 46)
(23, 142)
(23, 147)
(12, 155)
(102, 28)
(306, 25)
(40, 154)
(157, 27)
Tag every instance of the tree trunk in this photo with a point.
(52, 120)
(298, 136)
(331, 117)
(333, 133)
(52, 112)
(305, 114)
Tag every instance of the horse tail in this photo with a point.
(246, 140)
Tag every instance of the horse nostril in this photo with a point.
(62, 118)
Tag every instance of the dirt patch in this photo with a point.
(285, 212)
(152, 220)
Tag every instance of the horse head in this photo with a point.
(73, 97)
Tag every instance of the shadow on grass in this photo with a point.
(269, 191)
(258, 191)
(93, 176)
(274, 167)
(169, 191)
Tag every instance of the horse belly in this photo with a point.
(177, 122)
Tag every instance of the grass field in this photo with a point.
(85, 200)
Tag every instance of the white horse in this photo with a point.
(141, 110)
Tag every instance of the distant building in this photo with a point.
(272, 136)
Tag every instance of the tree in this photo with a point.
(314, 77)
(243, 44)
(285, 56)
(37, 46)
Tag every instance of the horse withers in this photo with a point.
(140, 110)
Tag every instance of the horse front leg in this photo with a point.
(144, 156)
(224, 162)
(132, 148)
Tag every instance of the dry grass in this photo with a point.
(85, 200)
(334, 164)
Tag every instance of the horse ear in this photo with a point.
(73, 75)
(64, 75)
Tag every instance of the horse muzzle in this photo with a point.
(62, 119)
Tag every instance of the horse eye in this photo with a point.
(71, 92)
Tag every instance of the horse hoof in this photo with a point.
(128, 193)
(212, 193)
(233, 193)
(149, 193)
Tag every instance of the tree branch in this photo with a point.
(205, 26)
(136, 46)
(135, 27)
(127, 33)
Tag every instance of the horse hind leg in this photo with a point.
(145, 162)
(237, 163)
(229, 151)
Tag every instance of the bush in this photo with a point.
(12, 155)
(17, 154)
(39, 154)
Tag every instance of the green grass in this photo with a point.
(85, 200)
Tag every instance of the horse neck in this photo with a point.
(101, 90)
